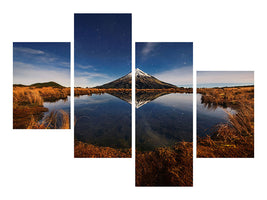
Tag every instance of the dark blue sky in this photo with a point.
(102, 48)
(41, 62)
(169, 62)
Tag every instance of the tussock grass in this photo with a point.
(169, 90)
(55, 120)
(171, 166)
(53, 94)
(28, 107)
(236, 137)
(32, 95)
(90, 91)
(25, 96)
(84, 150)
(227, 97)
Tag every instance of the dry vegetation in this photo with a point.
(235, 138)
(28, 107)
(168, 166)
(53, 94)
(170, 90)
(84, 150)
(55, 120)
(90, 91)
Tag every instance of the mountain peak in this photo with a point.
(142, 81)
(139, 72)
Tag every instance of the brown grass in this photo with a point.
(24, 96)
(28, 107)
(236, 137)
(170, 90)
(84, 150)
(53, 94)
(171, 166)
(90, 91)
(55, 120)
(227, 97)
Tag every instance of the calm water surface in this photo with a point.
(209, 116)
(62, 104)
(103, 120)
(164, 121)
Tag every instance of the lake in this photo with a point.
(57, 107)
(62, 104)
(208, 116)
(164, 121)
(103, 120)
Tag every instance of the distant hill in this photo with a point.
(142, 79)
(47, 84)
(19, 85)
(39, 85)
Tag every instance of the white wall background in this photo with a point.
(227, 35)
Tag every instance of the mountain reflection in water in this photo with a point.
(164, 121)
(141, 97)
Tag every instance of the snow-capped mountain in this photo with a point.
(146, 81)
(142, 81)
(123, 82)
(140, 73)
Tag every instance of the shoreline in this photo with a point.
(28, 106)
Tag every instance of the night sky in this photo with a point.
(102, 48)
(41, 62)
(169, 62)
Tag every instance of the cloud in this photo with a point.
(86, 82)
(25, 73)
(28, 50)
(91, 79)
(225, 77)
(84, 66)
(91, 74)
(148, 48)
(64, 64)
(180, 76)
(35, 56)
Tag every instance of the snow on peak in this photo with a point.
(129, 75)
(139, 72)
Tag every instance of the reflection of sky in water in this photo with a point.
(208, 117)
(103, 120)
(62, 104)
(179, 101)
(94, 99)
(164, 121)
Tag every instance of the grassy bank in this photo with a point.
(236, 137)
(170, 90)
(84, 150)
(28, 107)
(168, 166)
(90, 91)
